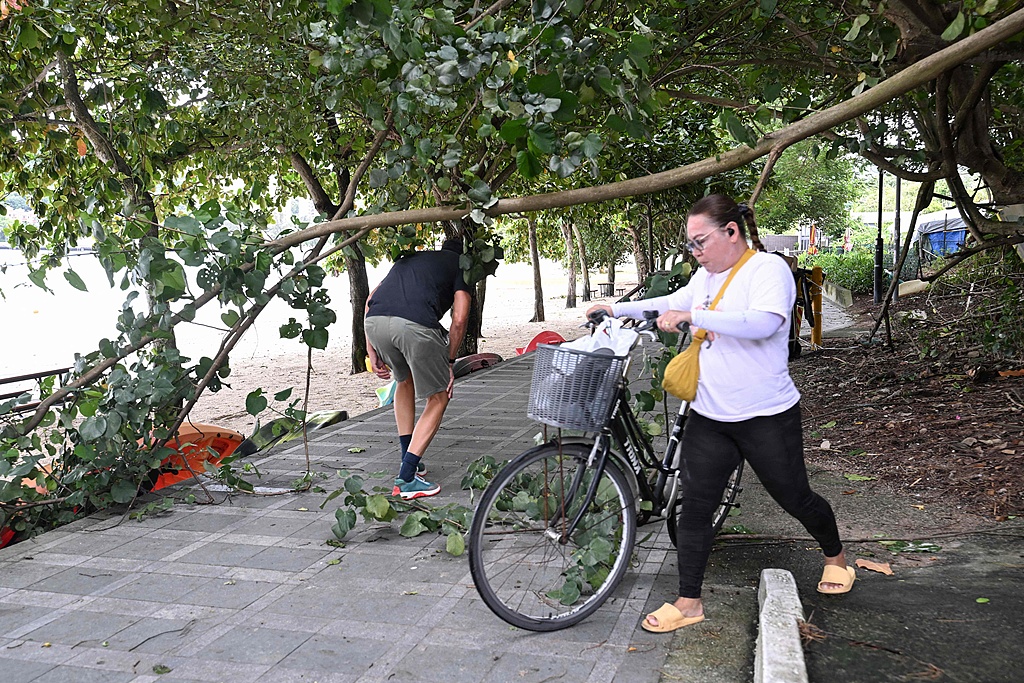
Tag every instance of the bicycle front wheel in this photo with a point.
(528, 566)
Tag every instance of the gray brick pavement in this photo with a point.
(248, 590)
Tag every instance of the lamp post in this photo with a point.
(878, 240)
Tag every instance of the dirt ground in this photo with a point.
(948, 428)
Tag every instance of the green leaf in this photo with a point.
(854, 31)
(981, 601)
(283, 395)
(857, 477)
(255, 402)
(344, 521)
(592, 145)
(230, 318)
(123, 491)
(28, 38)
(547, 84)
(639, 49)
(512, 130)
(38, 278)
(911, 546)
(186, 224)
(456, 544)
(561, 166)
(771, 91)
(73, 278)
(208, 211)
(955, 28)
(736, 129)
(988, 7)
(379, 507)
(315, 338)
(93, 428)
(543, 137)
(528, 164)
(413, 525)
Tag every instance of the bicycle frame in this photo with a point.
(636, 454)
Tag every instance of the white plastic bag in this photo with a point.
(609, 335)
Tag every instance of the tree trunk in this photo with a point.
(611, 271)
(584, 264)
(642, 269)
(359, 292)
(538, 289)
(570, 257)
(474, 325)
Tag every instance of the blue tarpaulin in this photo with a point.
(942, 233)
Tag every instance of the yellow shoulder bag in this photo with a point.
(683, 371)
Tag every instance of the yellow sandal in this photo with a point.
(669, 619)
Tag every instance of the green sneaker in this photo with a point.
(417, 488)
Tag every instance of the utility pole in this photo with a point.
(896, 240)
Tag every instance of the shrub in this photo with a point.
(854, 270)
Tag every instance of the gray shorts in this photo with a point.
(410, 348)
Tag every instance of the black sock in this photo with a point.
(405, 440)
(409, 462)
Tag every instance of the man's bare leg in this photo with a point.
(429, 422)
(405, 406)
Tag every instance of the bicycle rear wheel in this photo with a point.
(732, 489)
(527, 569)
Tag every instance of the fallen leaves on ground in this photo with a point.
(922, 426)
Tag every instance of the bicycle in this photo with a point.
(554, 531)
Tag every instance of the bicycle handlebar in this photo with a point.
(648, 324)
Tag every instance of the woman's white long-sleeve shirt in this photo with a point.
(745, 371)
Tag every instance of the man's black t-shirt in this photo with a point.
(420, 287)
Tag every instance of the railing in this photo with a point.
(32, 405)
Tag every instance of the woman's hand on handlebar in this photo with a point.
(598, 309)
(674, 321)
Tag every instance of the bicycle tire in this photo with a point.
(732, 489)
(521, 569)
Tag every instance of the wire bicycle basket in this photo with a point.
(573, 389)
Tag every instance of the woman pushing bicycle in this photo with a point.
(746, 405)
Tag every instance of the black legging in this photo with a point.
(773, 446)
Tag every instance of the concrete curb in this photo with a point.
(779, 656)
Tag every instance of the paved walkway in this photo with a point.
(248, 590)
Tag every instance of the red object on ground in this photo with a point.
(545, 337)
(474, 362)
(6, 534)
(196, 445)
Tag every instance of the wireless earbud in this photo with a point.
(730, 232)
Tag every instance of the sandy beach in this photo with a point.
(276, 364)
